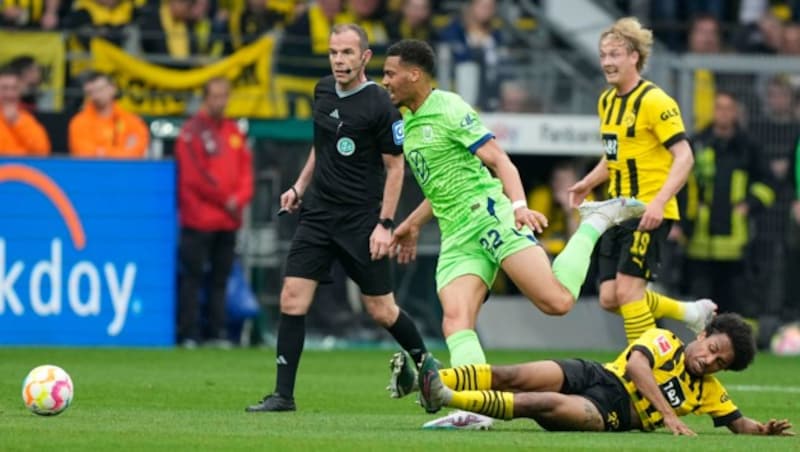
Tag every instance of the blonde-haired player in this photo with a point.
(647, 157)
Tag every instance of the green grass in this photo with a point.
(194, 400)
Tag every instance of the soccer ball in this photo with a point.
(47, 390)
(786, 342)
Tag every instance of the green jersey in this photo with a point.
(440, 142)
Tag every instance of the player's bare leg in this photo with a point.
(552, 410)
(559, 412)
(531, 272)
(461, 301)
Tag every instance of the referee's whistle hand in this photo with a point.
(289, 201)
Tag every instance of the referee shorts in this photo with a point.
(327, 234)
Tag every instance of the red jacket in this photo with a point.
(214, 167)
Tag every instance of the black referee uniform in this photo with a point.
(341, 207)
(352, 129)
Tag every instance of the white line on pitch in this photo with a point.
(763, 388)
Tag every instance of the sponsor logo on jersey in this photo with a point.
(427, 133)
(610, 146)
(419, 166)
(673, 393)
(671, 113)
(346, 146)
(398, 134)
(664, 346)
(334, 113)
(469, 120)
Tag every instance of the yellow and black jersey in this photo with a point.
(637, 130)
(684, 392)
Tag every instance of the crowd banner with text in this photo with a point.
(48, 50)
(87, 252)
(153, 90)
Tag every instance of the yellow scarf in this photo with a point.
(176, 34)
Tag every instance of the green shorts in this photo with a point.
(481, 245)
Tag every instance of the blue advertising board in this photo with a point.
(87, 252)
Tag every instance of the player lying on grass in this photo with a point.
(653, 382)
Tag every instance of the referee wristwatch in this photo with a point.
(387, 223)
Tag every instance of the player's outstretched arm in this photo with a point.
(498, 162)
(404, 238)
(749, 426)
(641, 373)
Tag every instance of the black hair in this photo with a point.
(741, 335)
(22, 63)
(9, 71)
(414, 52)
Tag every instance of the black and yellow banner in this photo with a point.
(48, 50)
(152, 90)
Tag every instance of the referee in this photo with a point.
(347, 213)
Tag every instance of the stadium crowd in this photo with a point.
(739, 237)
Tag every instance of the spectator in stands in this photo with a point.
(413, 21)
(89, 19)
(516, 98)
(303, 50)
(776, 130)
(704, 38)
(215, 183)
(762, 36)
(29, 14)
(668, 18)
(244, 26)
(369, 14)
(173, 28)
(704, 35)
(99, 19)
(728, 183)
(288, 9)
(103, 129)
(20, 133)
(475, 48)
(790, 44)
(30, 77)
(201, 31)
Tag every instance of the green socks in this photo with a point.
(572, 264)
(465, 348)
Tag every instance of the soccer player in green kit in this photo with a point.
(476, 194)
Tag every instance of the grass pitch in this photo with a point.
(131, 399)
